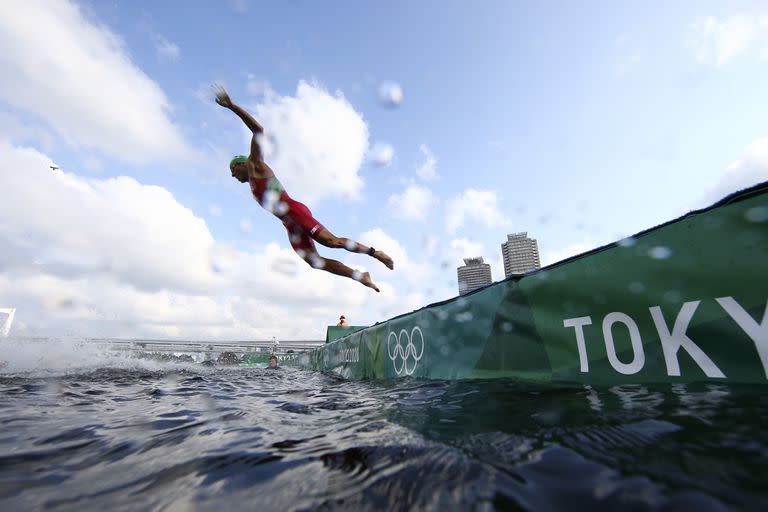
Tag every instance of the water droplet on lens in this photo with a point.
(757, 214)
(357, 275)
(660, 252)
(673, 296)
(442, 315)
(507, 327)
(382, 154)
(390, 94)
(246, 226)
(627, 242)
(268, 145)
(636, 287)
(317, 262)
(67, 303)
(351, 245)
(269, 200)
(431, 244)
(281, 208)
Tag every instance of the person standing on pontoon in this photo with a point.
(302, 228)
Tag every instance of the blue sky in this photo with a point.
(578, 123)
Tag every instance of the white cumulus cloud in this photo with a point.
(78, 77)
(320, 142)
(415, 272)
(478, 205)
(749, 170)
(140, 234)
(428, 169)
(256, 86)
(562, 253)
(413, 204)
(464, 248)
(167, 49)
(114, 257)
(716, 41)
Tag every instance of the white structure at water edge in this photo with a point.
(5, 326)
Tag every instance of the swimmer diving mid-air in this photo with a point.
(302, 228)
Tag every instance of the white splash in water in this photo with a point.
(5, 326)
(48, 357)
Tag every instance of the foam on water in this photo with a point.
(49, 357)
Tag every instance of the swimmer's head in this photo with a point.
(238, 167)
(272, 361)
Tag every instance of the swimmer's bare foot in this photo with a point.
(382, 257)
(366, 280)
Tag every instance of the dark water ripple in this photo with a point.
(252, 439)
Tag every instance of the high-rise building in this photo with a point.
(474, 274)
(521, 254)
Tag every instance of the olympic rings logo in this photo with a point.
(401, 349)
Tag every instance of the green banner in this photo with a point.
(686, 301)
(335, 332)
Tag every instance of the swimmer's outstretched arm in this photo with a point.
(222, 98)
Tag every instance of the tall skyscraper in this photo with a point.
(473, 275)
(521, 254)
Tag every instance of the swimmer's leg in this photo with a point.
(338, 268)
(328, 239)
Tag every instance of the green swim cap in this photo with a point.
(239, 159)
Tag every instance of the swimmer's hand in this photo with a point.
(222, 98)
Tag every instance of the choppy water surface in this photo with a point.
(196, 438)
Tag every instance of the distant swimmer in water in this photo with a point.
(272, 365)
(302, 228)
